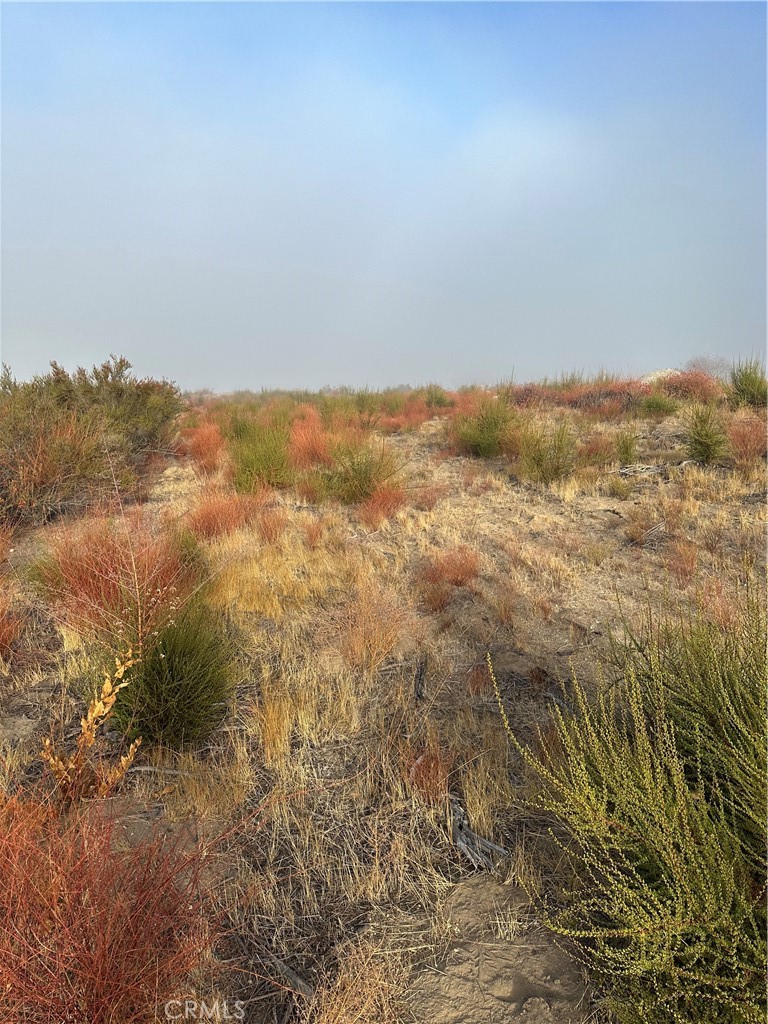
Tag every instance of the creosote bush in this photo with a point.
(656, 790)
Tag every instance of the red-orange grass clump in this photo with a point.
(748, 439)
(118, 580)
(425, 498)
(428, 770)
(456, 566)
(205, 445)
(92, 932)
(314, 531)
(271, 524)
(308, 443)
(220, 512)
(6, 542)
(11, 625)
(694, 384)
(682, 561)
(384, 503)
(479, 680)
(597, 450)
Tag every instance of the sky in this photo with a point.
(248, 195)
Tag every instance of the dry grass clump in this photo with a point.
(682, 561)
(219, 512)
(314, 533)
(370, 628)
(455, 566)
(368, 988)
(117, 581)
(598, 450)
(425, 498)
(278, 579)
(385, 502)
(644, 524)
(479, 680)
(271, 523)
(90, 931)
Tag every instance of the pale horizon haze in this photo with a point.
(290, 195)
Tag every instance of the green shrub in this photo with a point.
(482, 434)
(706, 438)
(358, 470)
(748, 384)
(178, 692)
(656, 790)
(657, 406)
(436, 397)
(259, 454)
(68, 439)
(626, 446)
(546, 453)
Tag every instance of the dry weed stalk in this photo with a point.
(81, 775)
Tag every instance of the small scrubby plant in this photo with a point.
(656, 791)
(92, 931)
(482, 433)
(260, 455)
(69, 440)
(117, 582)
(706, 439)
(546, 454)
(657, 406)
(179, 691)
(626, 446)
(359, 470)
(748, 384)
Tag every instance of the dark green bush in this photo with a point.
(179, 691)
(436, 397)
(482, 433)
(748, 383)
(259, 453)
(546, 453)
(67, 439)
(358, 470)
(706, 437)
(657, 793)
(657, 406)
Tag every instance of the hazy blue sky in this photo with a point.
(247, 195)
